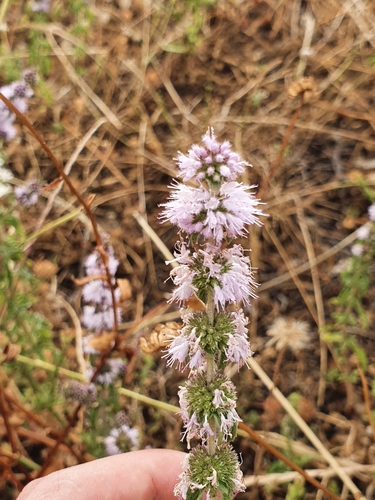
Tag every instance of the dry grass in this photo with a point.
(137, 103)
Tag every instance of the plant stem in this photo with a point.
(211, 371)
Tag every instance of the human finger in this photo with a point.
(141, 475)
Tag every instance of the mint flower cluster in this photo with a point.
(98, 313)
(18, 93)
(209, 214)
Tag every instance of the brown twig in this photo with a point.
(42, 438)
(12, 436)
(4, 412)
(286, 460)
(366, 397)
(284, 144)
(59, 440)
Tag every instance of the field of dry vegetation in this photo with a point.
(123, 86)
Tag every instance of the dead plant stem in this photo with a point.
(366, 397)
(287, 461)
(284, 144)
(305, 428)
(318, 300)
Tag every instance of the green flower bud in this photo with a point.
(212, 338)
(209, 406)
(214, 475)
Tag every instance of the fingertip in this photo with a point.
(144, 475)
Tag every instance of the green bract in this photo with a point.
(212, 473)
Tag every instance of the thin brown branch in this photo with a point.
(366, 397)
(286, 460)
(284, 144)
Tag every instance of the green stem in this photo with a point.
(211, 371)
(3, 9)
(210, 307)
(52, 225)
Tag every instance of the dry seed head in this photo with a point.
(10, 353)
(101, 342)
(305, 86)
(289, 333)
(125, 288)
(160, 337)
(44, 269)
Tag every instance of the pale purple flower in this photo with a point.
(111, 369)
(97, 291)
(41, 6)
(213, 162)
(28, 194)
(182, 254)
(178, 351)
(213, 215)
(5, 176)
(94, 263)
(182, 277)
(17, 92)
(226, 271)
(98, 319)
(185, 348)
(228, 421)
(238, 346)
(218, 400)
(20, 90)
(357, 249)
(98, 315)
(7, 130)
(82, 393)
(237, 350)
(122, 439)
(30, 76)
(371, 212)
(235, 280)
(181, 488)
(197, 356)
(363, 232)
(205, 430)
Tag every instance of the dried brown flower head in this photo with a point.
(289, 333)
(44, 269)
(305, 86)
(160, 337)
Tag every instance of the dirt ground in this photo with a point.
(151, 77)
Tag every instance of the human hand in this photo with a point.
(139, 475)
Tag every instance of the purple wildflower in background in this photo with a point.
(111, 369)
(98, 312)
(363, 232)
(371, 212)
(41, 6)
(82, 393)
(17, 92)
(5, 176)
(122, 440)
(28, 194)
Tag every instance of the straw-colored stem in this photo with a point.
(305, 428)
